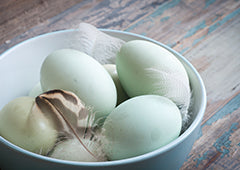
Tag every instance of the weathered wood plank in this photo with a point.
(182, 24)
(218, 147)
(220, 70)
(218, 61)
(16, 17)
(103, 14)
(163, 21)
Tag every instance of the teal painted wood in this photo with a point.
(159, 11)
(222, 143)
(228, 108)
(208, 3)
(195, 29)
(203, 27)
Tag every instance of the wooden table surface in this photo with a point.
(206, 32)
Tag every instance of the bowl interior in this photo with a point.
(20, 70)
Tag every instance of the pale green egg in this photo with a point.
(121, 94)
(79, 73)
(29, 130)
(140, 125)
(146, 68)
(36, 90)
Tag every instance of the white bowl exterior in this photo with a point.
(20, 71)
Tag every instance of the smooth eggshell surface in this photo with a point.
(121, 94)
(36, 90)
(31, 131)
(79, 73)
(146, 68)
(140, 125)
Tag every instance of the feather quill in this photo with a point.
(73, 121)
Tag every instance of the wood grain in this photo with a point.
(102, 14)
(206, 32)
(17, 17)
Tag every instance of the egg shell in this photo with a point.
(79, 73)
(36, 90)
(146, 68)
(121, 94)
(140, 125)
(31, 131)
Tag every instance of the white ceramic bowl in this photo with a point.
(19, 72)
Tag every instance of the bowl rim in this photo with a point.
(139, 158)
